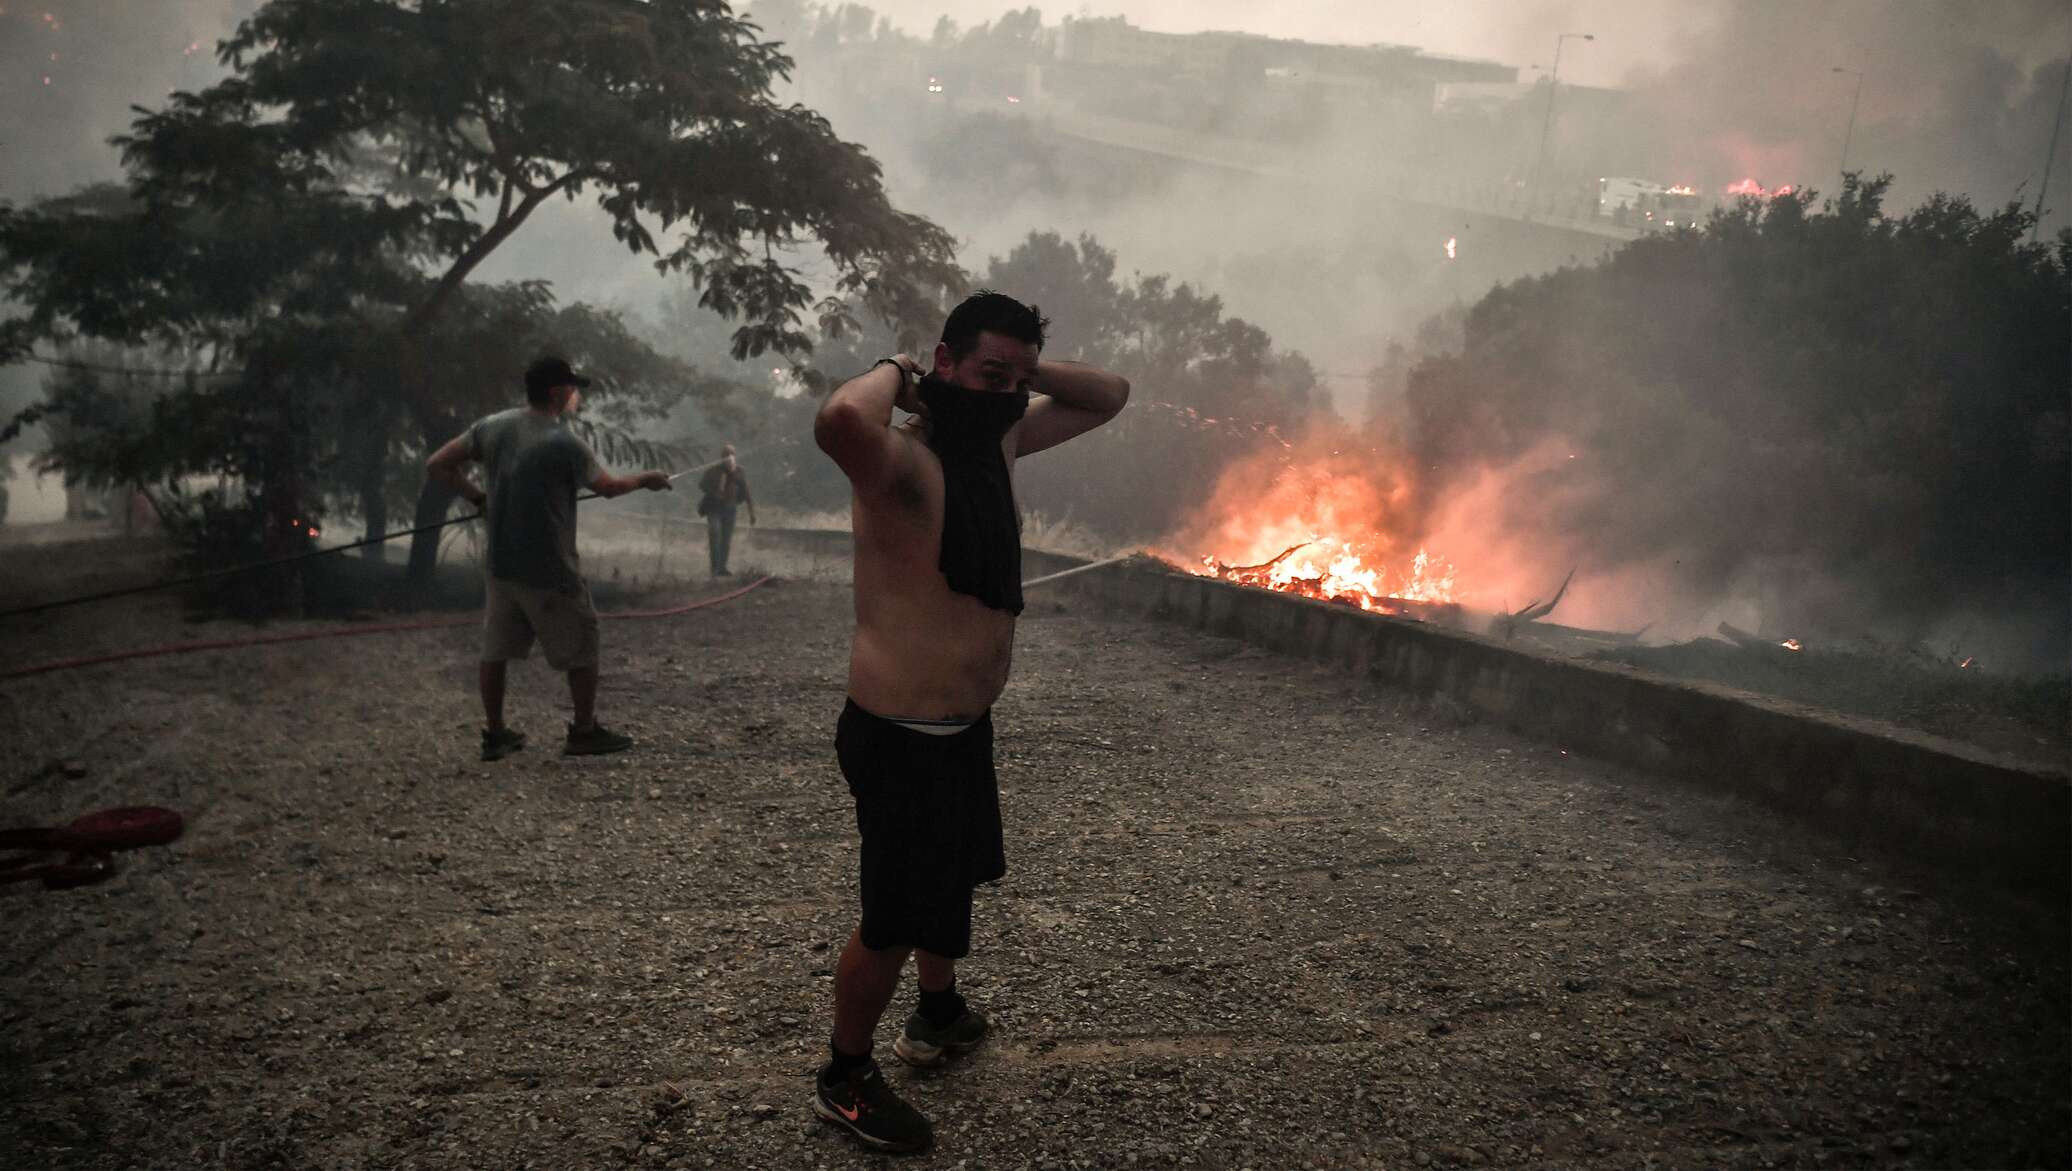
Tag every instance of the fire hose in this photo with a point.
(254, 566)
(89, 842)
(183, 648)
(401, 627)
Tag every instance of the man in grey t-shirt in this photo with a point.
(534, 585)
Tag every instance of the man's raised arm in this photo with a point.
(854, 425)
(448, 466)
(607, 485)
(1076, 399)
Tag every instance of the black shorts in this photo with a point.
(928, 809)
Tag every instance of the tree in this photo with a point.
(1210, 389)
(346, 151)
(283, 433)
(1389, 382)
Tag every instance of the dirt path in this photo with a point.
(1256, 916)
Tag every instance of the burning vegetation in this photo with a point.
(1793, 449)
(1330, 569)
(1330, 518)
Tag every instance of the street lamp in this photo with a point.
(1851, 131)
(2051, 155)
(1547, 123)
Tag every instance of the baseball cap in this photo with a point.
(549, 371)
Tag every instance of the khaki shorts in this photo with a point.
(565, 624)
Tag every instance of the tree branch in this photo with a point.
(479, 251)
(502, 157)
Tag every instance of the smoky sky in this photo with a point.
(1944, 83)
(1955, 96)
(1634, 38)
(70, 71)
(1516, 33)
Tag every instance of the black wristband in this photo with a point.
(905, 375)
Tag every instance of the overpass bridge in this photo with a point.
(1518, 237)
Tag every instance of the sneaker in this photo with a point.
(866, 1107)
(595, 740)
(501, 743)
(925, 1046)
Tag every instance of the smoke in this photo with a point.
(1630, 32)
(1954, 97)
(70, 71)
(1304, 237)
(1957, 98)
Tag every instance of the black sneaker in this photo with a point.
(923, 1045)
(866, 1107)
(595, 740)
(501, 743)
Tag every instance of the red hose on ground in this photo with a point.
(311, 635)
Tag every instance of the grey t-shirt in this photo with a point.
(536, 466)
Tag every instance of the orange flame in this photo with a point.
(1791, 644)
(1337, 574)
(1751, 187)
(1330, 524)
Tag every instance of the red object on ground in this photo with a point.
(89, 841)
(124, 828)
(128, 827)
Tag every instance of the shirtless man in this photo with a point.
(938, 586)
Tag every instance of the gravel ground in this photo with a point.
(1257, 916)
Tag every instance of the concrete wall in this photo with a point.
(1931, 799)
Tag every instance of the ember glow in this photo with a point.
(1791, 644)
